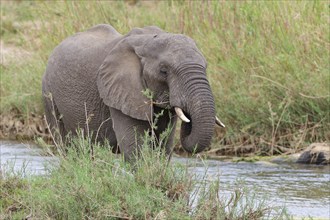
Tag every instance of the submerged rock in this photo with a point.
(316, 153)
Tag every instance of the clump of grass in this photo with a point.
(267, 63)
(12, 188)
(106, 187)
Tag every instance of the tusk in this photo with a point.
(218, 122)
(181, 115)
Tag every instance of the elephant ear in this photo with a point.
(120, 81)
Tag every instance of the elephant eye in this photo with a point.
(163, 71)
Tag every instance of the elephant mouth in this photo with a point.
(163, 104)
(163, 101)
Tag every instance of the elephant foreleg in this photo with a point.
(129, 133)
(166, 129)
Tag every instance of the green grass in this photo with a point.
(268, 62)
(106, 187)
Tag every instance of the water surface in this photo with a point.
(23, 158)
(303, 189)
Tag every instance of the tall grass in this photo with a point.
(105, 187)
(268, 62)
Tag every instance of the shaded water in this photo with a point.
(303, 189)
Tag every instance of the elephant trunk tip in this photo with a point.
(193, 142)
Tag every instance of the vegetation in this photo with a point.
(268, 62)
(268, 65)
(92, 183)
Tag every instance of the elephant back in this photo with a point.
(72, 71)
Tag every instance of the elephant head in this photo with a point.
(172, 67)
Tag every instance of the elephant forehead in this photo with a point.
(185, 54)
(169, 42)
(173, 49)
(179, 40)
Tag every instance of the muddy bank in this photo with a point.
(14, 126)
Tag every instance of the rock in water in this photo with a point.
(316, 153)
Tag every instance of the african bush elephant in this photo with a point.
(99, 76)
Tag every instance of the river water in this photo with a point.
(303, 189)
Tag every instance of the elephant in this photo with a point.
(96, 80)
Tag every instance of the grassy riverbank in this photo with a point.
(99, 185)
(268, 63)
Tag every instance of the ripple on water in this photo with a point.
(303, 189)
(24, 159)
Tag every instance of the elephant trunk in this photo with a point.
(198, 105)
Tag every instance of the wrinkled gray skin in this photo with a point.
(105, 73)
